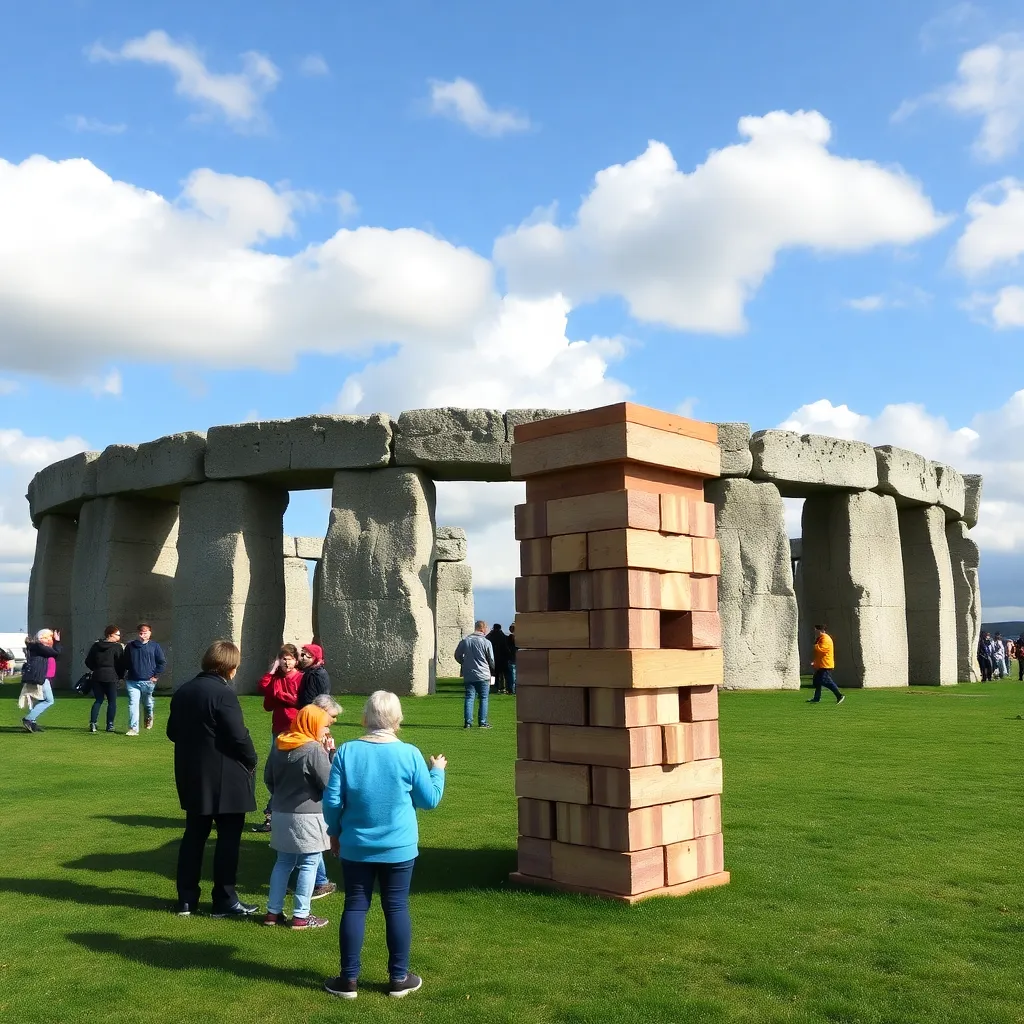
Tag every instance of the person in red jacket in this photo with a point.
(280, 689)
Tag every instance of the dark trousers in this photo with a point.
(823, 677)
(1020, 671)
(101, 692)
(225, 858)
(500, 678)
(394, 882)
(985, 664)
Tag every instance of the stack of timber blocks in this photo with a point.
(618, 776)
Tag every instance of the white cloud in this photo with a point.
(867, 304)
(313, 65)
(111, 384)
(990, 85)
(238, 97)
(80, 123)
(461, 100)
(347, 205)
(689, 250)
(901, 298)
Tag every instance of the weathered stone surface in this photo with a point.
(910, 478)
(375, 613)
(972, 499)
(756, 600)
(513, 417)
(965, 559)
(931, 602)
(453, 612)
(62, 486)
(298, 602)
(454, 444)
(49, 587)
(852, 577)
(802, 464)
(950, 485)
(230, 579)
(157, 469)
(734, 440)
(299, 453)
(318, 577)
(310, 548)
(123, 573)
(450, 544)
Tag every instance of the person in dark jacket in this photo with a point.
(985, 660)
(499, 642)
(315, 679)
(214, 764)
(105, 661)
(1020, 658)
(145, 662)
(35, 678)
(510, 671)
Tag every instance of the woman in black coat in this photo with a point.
(105, 661)
(214, 762)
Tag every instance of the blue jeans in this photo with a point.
(394, 900)
(510, 677)
(137, 689)
(321, 872)
(823, 677)
(286, 864)
(42, 706)
(477, 688)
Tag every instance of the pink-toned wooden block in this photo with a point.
(531, 520)
(609, 870)
(698, 703)
(659, 784)
(630, 708)
(561, 706)
(710, 854)
(707, 815)
(615, 588)
(705, 739)
(690, 630)
(625, 627)
(678, 743)
(542, 593)
(535, 557)
(545, 780)
(682, 862)
(553, 629)
(680, 514)
(618, 748)
(606, 511)
(707, 556)
(532, 667)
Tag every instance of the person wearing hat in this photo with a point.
(315, 679)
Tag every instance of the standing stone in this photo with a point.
(49, 586)
(454, 612)
(965, 559)
(230, 580)
(931, 603)
(124, 568)
(734, 440)
(298, 603)
(375, 614)
(852, 572)
(756, 600)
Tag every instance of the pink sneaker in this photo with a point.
(301, 923)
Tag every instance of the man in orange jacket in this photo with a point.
(823, 663)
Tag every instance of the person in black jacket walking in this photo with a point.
(106, 662)
(214, 763)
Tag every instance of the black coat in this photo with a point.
(499, 642)
(106, 661)
(315, 681)
(36, 657)
(214, 758)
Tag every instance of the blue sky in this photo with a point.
(210, 213)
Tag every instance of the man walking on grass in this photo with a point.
(476, 658)
(146, 661)
(824, 661)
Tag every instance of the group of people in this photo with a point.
(996, 654)
(359, 801)
(486, 661)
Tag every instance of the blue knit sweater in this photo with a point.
(371, 799)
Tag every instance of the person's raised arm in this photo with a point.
(427, 783)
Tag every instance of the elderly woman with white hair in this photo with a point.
(376, 784)
(40, 665)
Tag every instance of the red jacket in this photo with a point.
(280, 694)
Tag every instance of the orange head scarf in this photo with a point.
(305, 729)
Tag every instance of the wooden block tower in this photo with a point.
(618, 776)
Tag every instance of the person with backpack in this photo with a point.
(106, 663)
(40, 667)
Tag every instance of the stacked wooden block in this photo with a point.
(619, 777)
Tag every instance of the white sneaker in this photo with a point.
(132, 732)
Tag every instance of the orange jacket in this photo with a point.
(824, 652)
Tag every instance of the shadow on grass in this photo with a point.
(447, 870)
(161, 861)
(175, 954)
(144, 821)
(67, 891)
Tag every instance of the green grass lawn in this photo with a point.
(875, 852)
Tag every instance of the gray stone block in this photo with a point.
(756, 600)
(375, 612)
(123, 573)
(852, 580)
(514, 417)
(454, 444)
(310, 548)
(951, 490)
(972, 499)
(157, 469)
(450, 544)
(453, 612)
(803, 464)
(300, 453)
(49, 587)
(734, 440)
(62, 486)
(931, 602)
(288, 546)
(298, 603)
(965, 559)
(910, 478)
(230, 579)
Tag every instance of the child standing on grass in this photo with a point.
(296, 774)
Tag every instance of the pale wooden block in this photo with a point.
(531, 520)
(706, 556)
(710, 854)
(569, 552)
(696, 703)
(677, 821)
(534, 856)
(637, 670)
(553, 629)
(707, 815)
(659, 784)
(640, 549)
(631, 708)
(627, 873)
(678, 741)
(562, 706)
(625, 627)
(682, 862)
(705, 739)
(536, 818)
(623, 748)
(690, 630)
(585, 512)
(542, 593)
(545, 780)
(533, 741)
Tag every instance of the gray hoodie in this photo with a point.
(476, 656)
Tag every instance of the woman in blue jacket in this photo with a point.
(377, 782)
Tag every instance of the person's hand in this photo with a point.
(439, 761)
(56, 634)
(329, 743)
(335, 847)
(153, 679)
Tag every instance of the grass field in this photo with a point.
(875, 851)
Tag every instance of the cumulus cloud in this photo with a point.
(902, 298)
(81, 123)
(989, 84)
(461, 100)
(689, 249)
(238, 97)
